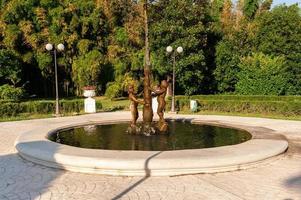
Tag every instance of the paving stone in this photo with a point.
(20, 179)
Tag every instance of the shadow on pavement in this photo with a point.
(148, 174)
(294, 183)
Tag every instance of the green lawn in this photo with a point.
(275, 116)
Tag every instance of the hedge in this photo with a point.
(285, 105)
(243, 98)
(10, 108)
(287, 108)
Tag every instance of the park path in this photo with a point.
(276, 180)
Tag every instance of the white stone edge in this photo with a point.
(168, 163)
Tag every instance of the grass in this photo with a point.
(25, 116)
(111, 105)
(260, 115)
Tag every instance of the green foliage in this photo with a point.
(265, 32)
(11, 108)
(283, 108)
(264, 105)
(27, 25)
(180, 23)
(10, 68)
(262, 98)
(250, 8)
(87, 68)
(262, 75)
(114, 90)
(227, 61)
(45, 64)
(119, 87)
(278, 34)
(84, 46)
(104, 42)
(12, 36)
(10, 92)
(122, 36)
(216, 9)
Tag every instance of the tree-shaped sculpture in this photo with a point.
(147, 127)
(147, 108)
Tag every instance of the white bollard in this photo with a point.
(193, 105)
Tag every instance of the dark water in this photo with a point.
(182, 135)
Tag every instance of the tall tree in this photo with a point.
(278, 33)
(181, 23)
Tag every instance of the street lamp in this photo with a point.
(179, 50)
(60, 47)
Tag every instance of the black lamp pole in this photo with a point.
(60, 47)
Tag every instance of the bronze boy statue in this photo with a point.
(134, 109)
(161, 92)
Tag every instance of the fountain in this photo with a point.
(195, 144)
(148, 128)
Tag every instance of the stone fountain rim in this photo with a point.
(34, 146)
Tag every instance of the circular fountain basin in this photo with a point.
(180, 136)
(36, 147)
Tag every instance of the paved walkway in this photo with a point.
(279, 180)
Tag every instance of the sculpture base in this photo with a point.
(156, 128)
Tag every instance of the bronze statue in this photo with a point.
(161, 93)
(134, 110)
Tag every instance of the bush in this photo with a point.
(243, 97)
(87, 68)
(41, 107)
(118, 88)
(114, 90)
(261, 74)
(10, 92)
(8, 108)
(287, 106)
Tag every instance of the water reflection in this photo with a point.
(90, 130)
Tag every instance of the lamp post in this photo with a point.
(60, 47)
(179, 50)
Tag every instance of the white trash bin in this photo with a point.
(193, 105)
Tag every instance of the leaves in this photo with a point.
(180, 23)
(104, 43)
(86, 68)
(262, 75)
(10, 68)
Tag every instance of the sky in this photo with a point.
(287, 2)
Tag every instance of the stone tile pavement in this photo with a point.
(23, 180)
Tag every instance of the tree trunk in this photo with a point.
(147, 108)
